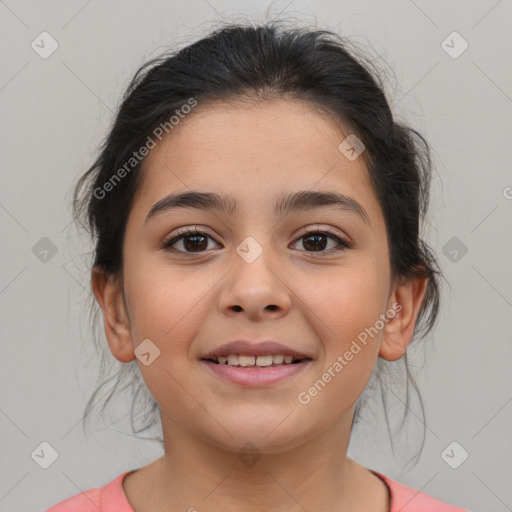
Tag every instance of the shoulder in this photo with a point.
(109, 498)
(407, 499)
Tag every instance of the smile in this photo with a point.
(248, 371)
(258, 361)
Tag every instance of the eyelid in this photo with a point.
(181, 233)
(328, 230)
(344, 242)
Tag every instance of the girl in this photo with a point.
(256, 212)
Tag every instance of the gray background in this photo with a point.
(54, 113)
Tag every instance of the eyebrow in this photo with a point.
(286, 203)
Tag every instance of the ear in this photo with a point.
(109, 294)
(405, 301)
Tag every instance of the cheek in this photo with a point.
(345, 311)
(346, 301)
(167, 307)
(167, 301)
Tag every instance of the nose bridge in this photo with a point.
(254, 284)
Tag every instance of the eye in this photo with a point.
(317, 241)
(192, 240)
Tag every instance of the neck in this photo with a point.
(195, 474)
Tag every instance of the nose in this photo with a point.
(258, 290)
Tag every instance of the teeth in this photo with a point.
(233, 360)
(267, 360)
(246, 360)
(264, 360)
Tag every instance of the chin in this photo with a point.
(263, 437)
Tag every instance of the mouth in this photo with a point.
(256, 371)
(263, 361)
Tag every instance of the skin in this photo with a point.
(184, 304)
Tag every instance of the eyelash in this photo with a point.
(188, 232)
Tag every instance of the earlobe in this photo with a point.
(109, 294)
(405, 301)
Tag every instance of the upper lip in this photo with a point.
(248, 348)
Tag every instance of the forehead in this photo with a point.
(254, 152)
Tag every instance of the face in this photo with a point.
(314, 278)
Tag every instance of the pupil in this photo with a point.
(316, 246)
(194, 245)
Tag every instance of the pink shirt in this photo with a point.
(111, 498)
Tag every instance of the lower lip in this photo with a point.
(250, 376)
